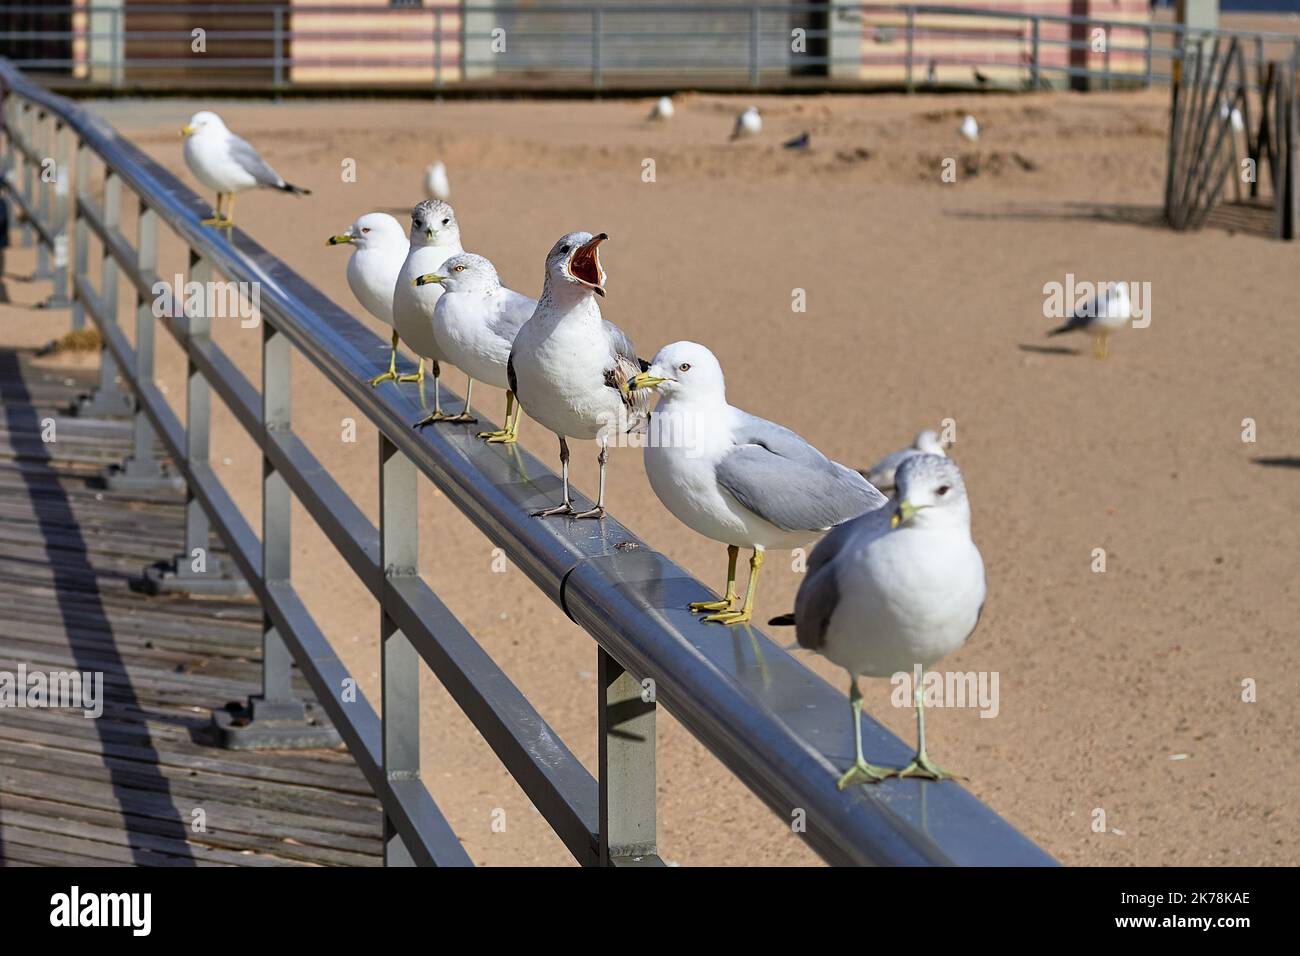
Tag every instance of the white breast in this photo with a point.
(372, 277)
(413, 305)
(207, 153)
(560, 372)
(460, 326)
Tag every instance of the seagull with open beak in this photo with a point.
(570, 369)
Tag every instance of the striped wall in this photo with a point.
(344, 45)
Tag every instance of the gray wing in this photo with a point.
(513, 310)
(789, 483)
(247, 157)
(819, 593)
(624, 367)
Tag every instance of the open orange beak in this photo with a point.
(584, 265)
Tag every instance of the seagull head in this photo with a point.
(203, 121)
(464, 273)
(372, 231)
(684, 370)
(574, 262)
(928, 441)
(433, 223)
(930, 493)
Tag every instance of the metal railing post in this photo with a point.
(1150, 53)
(1035, 71)
(62, 213)
(142, 472)
(24, 124)
(117, 71)
(754, 13)
(627, 766)
(109, 399)
(911, 48)
(437, 47)
(80, 231)
(40, 142)
(277, 54)
(597, 28)
(1105, 64)
(400, 663)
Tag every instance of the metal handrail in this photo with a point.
(585, 46)
(778, 727)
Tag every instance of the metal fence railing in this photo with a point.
(773, 723)
(663, 45)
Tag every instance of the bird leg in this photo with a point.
(567, 507)
(418, 376)
(733, 553)
(741, 616)
(511, 432)
(218, 219)
(861, 771)
(1100, 345)
(599, 510)
(437, 414)
(230, 213)
(465, 418)
(391, 374)
(921, 765)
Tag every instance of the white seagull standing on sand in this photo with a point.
(475, 322)
(748, 123)
(1103, 313)
(737, 478)
(226, 164)
(663, 109)
(570, 369)
(881, 474)
(435, 238)
(892, 590)
(379, 248)
(969, 128)
(436, 184)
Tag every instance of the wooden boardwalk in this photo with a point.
(125, 788)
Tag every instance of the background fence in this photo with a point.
(586, 46)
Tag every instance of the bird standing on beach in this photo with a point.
(435, 238)
(1107, 311)
(227, 164)
(663, 109)
(570, 369)
(436, 184)
(894, 589)
(969, 128)
(736, 478)
(748, 123)
(882, 473)
(475, 322)
(379, 248)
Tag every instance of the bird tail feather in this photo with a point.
(295, 190)
(783, 620)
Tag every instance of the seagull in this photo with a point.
(570, 369)
(882, 473)
(1102, 313)
(475, 322)
(436, 185)
(378, 250)
(1233, 114)
(892, 590)
(227, 164)
(969, 128)
(737, 478)
(663, 109)
(748, 123)
(435, 238)
(802, 141)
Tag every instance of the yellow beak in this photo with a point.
(185, 131)
(338, 240)
(429, 278)
(644, 380)
(903, 513)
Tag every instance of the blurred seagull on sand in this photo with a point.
(895, 590)
(748, 123)
(227, 164)
(1105, 312)
(436, 185)
(969, 128)
(435, 238)
(802, 141)
(378, 250)
(883, 472)
(570, 369)
(663, 109)
(475, 322)
(737, 478)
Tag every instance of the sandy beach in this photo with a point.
(1121, 691)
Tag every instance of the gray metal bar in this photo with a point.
(783, 731)
(627, 765)
(399, 557)
(911, 48)
(41, 143)
(198, 416)
(1035, 49)
(25, 113)
(754, 33)
(597, 30)
(147, 258)
(277, 553)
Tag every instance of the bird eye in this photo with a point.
(564, 248)
(943, 490)
(684, 367)
(445, 221)
(365, 228)
(458, 269)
